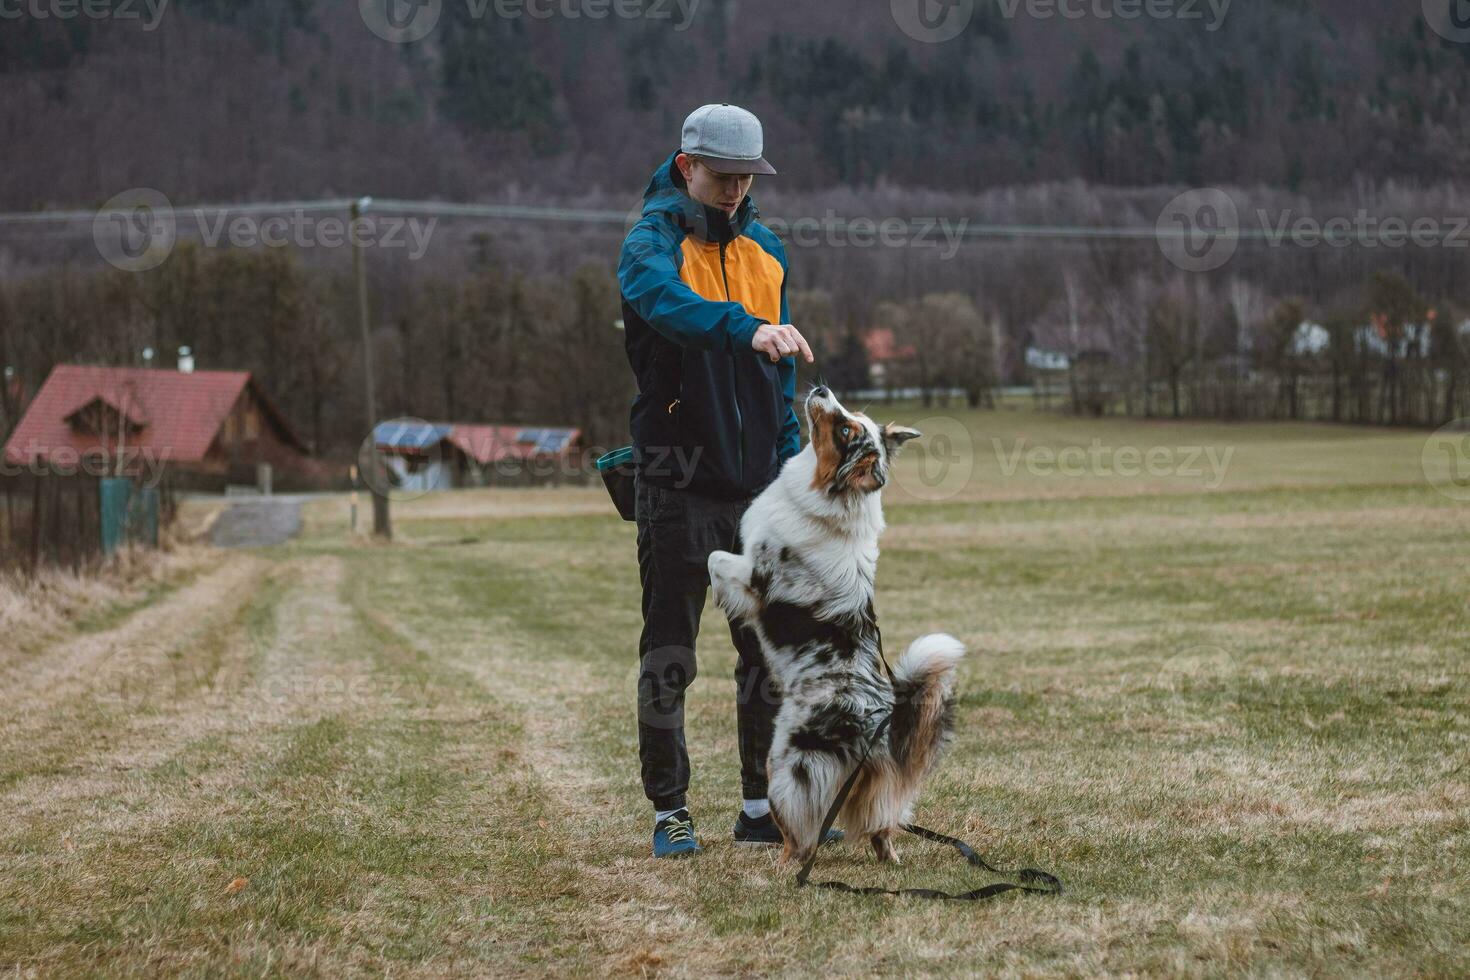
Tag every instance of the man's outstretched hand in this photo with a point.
(780, 340)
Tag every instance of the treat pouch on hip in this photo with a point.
(616, 469)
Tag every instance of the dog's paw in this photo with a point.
(729, 578)
(719, 563)
(883, 847)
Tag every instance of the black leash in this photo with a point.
(806, 869)
(1036, 882)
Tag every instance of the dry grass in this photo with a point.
(1234, 720)
(34, 611)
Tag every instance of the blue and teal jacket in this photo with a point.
(712, 415)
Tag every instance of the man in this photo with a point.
(705, 315)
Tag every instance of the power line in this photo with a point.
(962, 228)
(39, 217)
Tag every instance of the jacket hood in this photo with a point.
(667, 194)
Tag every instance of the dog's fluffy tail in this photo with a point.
(923, 711)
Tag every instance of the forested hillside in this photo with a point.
(1302, 110)
(292, 98)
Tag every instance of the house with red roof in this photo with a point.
(440, 455)
(885, 352)
(143, 420)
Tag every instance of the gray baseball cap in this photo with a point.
(727, 138)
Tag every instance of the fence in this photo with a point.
(73, 521)
(1424, 400)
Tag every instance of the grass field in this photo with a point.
(1230, 713)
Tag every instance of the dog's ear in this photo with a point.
(895, 435)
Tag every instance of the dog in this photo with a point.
(805, 585)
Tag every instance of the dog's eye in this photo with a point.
(847, 432)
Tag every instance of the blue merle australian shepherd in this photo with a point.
(805, 584)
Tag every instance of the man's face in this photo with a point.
(723, 191)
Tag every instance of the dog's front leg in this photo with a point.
(802, 787)
(729, 577)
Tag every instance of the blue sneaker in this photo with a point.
(764, 832)
(673, 836)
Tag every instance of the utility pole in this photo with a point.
(378, 479)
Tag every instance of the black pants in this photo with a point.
(677, 530)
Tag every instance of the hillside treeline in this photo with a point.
(487, 347)
(482, 330)
(291, 99)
